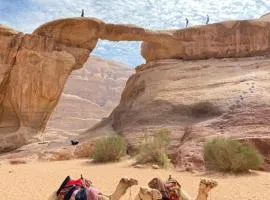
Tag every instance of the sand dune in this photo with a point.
(36, 181)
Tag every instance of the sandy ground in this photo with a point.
(36, 181)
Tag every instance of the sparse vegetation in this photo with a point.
(108, 149)
(227, 155)
(153, 149)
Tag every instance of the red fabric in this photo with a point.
(174, 196)
(75, 182)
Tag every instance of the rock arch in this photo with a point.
(34, 67)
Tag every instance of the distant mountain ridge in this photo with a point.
(90, 94)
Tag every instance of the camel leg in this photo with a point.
(185, 195)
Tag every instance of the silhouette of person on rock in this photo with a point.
(186, 22)
(82, 14)
(207, 19)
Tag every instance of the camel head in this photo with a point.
(206, 185)
(149, 194)
(154, 183)
(122, 187)
(128, 182)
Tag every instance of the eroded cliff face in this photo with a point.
(197, 100)
(34, 70)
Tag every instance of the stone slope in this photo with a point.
(197, 100)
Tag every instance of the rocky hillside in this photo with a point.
(198, 100)
(89, 95)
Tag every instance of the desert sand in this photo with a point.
(37, 181)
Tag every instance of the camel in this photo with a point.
(120, 190)
(204, 188)
(153, 194)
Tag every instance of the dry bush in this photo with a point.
(153, 149)
(108, 149)
(227, 155)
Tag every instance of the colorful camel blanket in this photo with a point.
(79, 189)
(170, 190)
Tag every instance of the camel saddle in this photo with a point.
(170, 190)
(68, 186)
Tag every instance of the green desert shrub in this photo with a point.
(227, 155)
(153, 149)
(108, 149)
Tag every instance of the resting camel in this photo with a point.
(149, 193)
(204, 188)
(153, 194)
(120, 190)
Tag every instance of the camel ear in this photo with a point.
(124, 180)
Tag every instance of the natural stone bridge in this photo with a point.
(34, 67)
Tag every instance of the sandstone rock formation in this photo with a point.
(265, 17)
(34, 70)
(85, 32)
(220, 40)
(241, 38)
(197, 100)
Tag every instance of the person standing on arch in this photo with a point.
(207, 19)
(186, 22)
(82, 14)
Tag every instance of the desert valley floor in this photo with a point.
(38, 180)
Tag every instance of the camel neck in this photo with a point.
(202, 195)
(119, 192)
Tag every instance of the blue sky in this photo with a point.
(26, 15)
